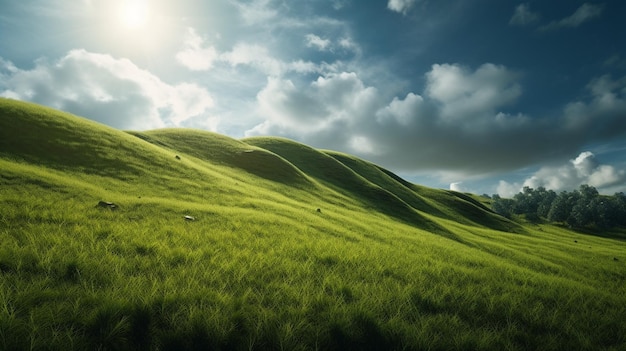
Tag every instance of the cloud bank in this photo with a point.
(464, 121)
(584, 169)
(112, 91)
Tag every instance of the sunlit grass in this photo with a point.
(261, 268)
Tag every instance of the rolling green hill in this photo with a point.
(284, 247)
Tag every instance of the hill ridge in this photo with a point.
(75, 143)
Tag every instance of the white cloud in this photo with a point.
(457, 186)
(327, 112)
(259, 57)
(508, 190)
(195, 55)
(246, 54)
(401, 6)
(523, 16)
(313, 40)
(402, 111)
(586, 12)
(198, 56)
(471, 95)
(584, 169)
(342, 45)
(109, 90)
(349, 44)
(362, 145)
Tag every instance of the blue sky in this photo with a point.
(484, 96)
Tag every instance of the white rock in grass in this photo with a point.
(106, 204)
(189, 218)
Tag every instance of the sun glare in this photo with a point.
(134, 14)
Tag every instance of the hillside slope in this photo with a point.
(265, 243)
(334, 174)
(216, 148)
(440, 203)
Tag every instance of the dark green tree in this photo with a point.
(502, 206)
(546, 197)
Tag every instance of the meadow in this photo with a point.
(291, 248)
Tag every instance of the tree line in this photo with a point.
(584, 207)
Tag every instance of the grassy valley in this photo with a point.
(290, 248)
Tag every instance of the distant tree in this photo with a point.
(502, 206)
(561, 207)
(579, 208)
(619, 200)
(546, 198)
(583, 211)
(588, 192)
(581, 214)
(525, 201)
(605, 212)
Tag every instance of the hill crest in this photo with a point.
(45, 137)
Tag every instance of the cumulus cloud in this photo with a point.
(259, 56)
(467, 96)
(112, 91)
(523, 16)
(584, 169)
(586, 12)
(314, 110)
(196, 56)
(317, 42)
(341, 45)
(401, 6)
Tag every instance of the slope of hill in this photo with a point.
(220, 149)
(446, 204)
(283, 247)
(334, 174)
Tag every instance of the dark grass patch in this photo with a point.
(361, 332)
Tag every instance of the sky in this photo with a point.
(481, 96)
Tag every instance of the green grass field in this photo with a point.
(383, 265)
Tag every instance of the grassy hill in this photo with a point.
(290, 248)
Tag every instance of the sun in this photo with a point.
(134, 14)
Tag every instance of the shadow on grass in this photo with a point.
(361, 333)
